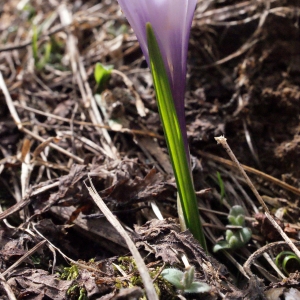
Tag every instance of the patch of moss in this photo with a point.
(70, 273)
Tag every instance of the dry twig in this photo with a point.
(150, 290)
(221, 140)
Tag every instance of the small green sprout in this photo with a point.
(77, 292)
(287, 256)
(115, 32)
(236, 216)
(36, 259)
(83, 294)
(29, 10)
(102, 74)
(184, 281)
(70, 273)
(40, 62)
(235, 237)
(221, 185)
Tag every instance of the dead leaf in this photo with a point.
(32, 283)
(137, 189)
(162, 237)
(274, 294)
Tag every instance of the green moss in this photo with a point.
(162, 286)
(70, 273)
(77, 292)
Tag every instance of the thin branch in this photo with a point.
(149, 288)
(21, 259)
(265, 176)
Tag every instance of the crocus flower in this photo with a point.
(164, 26)
(171, 21)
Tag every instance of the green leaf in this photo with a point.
(231, 219)
(229, 233)
(246, 234)
(236, 216)
(174, 276)
(34, 43)
(288, 255)
(221, 185)
(234, 239)
(236, 210)
(234, 242)
(42, 57)
(188, 277)
(198, 287)
(222, 245)
(286, 260)
(102, 74)
(46, 57)
(240, 220)
(282, 253)
(174, 139)
(185, 280)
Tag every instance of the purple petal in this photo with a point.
(171, 21)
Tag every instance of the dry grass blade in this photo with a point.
(54, 146)
(83, 266)
(139, 103)
(80, 77)
(26, 168)
(242, 12)
(97, 229)
(149, 288)
(265, 176)
(9, 102)
(217, 17)
(20, 126)
(7, 288)
(29, 253)
(15, 208)
(122, 130)
(271, 262)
